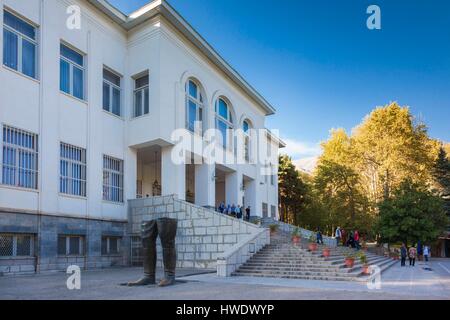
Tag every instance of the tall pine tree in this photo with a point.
(441, 175)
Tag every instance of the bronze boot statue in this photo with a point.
(149, 235)
(167, 229)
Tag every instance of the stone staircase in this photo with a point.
(282, 259)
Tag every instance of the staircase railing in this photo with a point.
(241, 252)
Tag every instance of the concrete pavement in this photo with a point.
(397, 284)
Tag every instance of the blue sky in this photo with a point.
(320, 66)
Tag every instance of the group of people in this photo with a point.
(350, 239)
(412, 253)
(235, 211)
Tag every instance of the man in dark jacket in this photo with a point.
(403, 254)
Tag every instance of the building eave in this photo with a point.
(161, 7)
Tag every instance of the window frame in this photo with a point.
(107, 194)
(73, 64)
(81, 245)
(228, 122)
(107, 251)
(19, 150)
(141, 89)
(20, 38)
(247, 141)
(111, 88)
(265, 210)
(15, 237)
(70, 178)
(199, 106)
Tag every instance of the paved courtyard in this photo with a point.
(397, 283)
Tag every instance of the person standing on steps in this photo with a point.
(338, 235)
(344, 237)
(247, 213)
(356, 238)
(412, 256)
(319, 237)
(239, 212)
(403, 255)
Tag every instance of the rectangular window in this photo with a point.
(273, 211)
(72, 179)
(111, 92)
(72, 71)
(112, 179)
(265, 210)
(141, 96)
(19, 45)
(70, 245)
(16, 245)
(20, 158)
(110, 245)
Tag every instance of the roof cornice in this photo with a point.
(161, 7)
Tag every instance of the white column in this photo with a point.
(233, 192)
(250, 196)
(205, 185)
(173, 176)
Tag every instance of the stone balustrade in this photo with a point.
(241, 252)
(203, 234)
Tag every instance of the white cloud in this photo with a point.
(299, 149)
(306, 164)
(303, 154)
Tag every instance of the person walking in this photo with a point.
(247, 213)
(221, 207)
(419, 250)
(356, 239)
(233, 211)
(227, 210)
(412, 256)
(351, 240)
(319, 237)
(239, 212)
(344, 237)
(338, 235)
(426, 253)
(403, 255)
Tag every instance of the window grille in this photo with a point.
(16, 245)
(72, 170)
(20, 158)
(112, 179)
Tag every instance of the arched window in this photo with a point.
(194, 107)
(247, 140)
(224, 122)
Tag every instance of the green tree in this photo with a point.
(411, 214)
(338, 188)
(390, 146)
(441, 175)
(292, 191)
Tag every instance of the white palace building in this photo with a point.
(91, 106)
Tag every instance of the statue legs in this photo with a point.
(149, 235)
(167, 229)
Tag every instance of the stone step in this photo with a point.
(300, 277)
(289, 266)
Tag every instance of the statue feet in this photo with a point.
(145, 281)
(166, 282)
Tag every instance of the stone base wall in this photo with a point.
(203, 234)
(45, 231)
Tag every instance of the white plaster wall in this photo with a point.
(39, 106)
